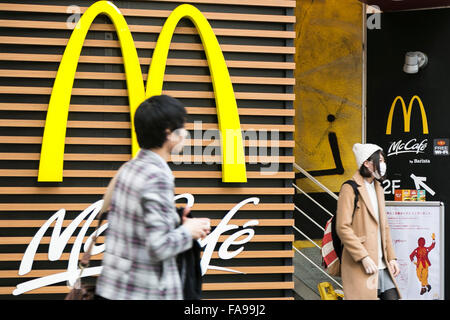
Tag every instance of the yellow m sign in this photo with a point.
(407, 114)
(52, 152)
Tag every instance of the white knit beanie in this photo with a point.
(364, 151)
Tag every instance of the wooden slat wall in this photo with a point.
(257, 39)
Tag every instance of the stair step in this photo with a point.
(306, 274)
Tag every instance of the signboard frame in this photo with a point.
(441, 239)
(426, 166)
(258, 47)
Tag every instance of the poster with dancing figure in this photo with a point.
(423, 262)
(417, 235)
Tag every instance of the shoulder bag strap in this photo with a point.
(355, 190)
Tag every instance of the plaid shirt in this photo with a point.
(143, 236)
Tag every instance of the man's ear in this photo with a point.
(169, 135)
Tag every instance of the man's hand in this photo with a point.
(185, 214)
(198, 227)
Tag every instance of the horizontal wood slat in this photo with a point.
(126, 157)
(147, 61)
(245, 270)
(53, 25)
(246, 254)
(43, 290)
(205, 287)
(121, 76)
(151, 13)
(124, 93)
(178, 190)
(177, 173)
(126, 109)
(127, 141)
(101, 239)
(247, 286)
(214, 223)
(11, 207)
(264, 3)
(127, 125)
(145, 45)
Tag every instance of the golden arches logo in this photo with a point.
(53, 143)
(407, 114)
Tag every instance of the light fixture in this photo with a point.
(415, 61)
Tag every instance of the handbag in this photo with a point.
(83, 290)
(188, 263)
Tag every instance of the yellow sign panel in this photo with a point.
(407, 114)
(52, 152)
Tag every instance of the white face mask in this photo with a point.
(383, 168)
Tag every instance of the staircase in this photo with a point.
(307, 259)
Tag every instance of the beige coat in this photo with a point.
(360, 239)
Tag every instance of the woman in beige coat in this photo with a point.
(368, 263)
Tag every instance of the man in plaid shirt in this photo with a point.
(144, 233)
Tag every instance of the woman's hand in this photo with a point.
(369, 266)
(394, 267)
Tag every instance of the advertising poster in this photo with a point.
(407, 113)
(417, 238)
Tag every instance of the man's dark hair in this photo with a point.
(375, 158)
(154, 116)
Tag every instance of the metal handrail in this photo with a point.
(304, 256)
(310, 177)
(312, 262)
(312, 199)
(308, 238)
(311, 219)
